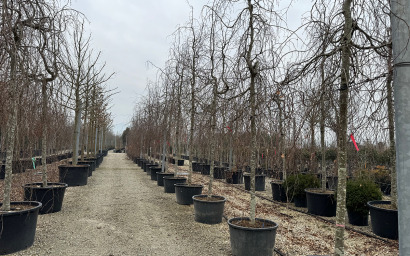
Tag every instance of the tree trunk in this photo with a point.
(342, 153)
(77, 125)
(11, 131)
(322, 123)
(390, 114)
(44, 131)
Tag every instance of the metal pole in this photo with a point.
(400, 20)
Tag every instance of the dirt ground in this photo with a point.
(122, 212)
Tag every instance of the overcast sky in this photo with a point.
(131, 32)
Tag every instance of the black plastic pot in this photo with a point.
(95, 159)
(91, 167)
(147, 166)
(247, 241)
(358, 219)
(322, 204)
(18, 228)
(180, 162)
(169, 183)
(205, 169)
(185, 192)
(196, 167)
(209, 212)
(234, 177)
(300, 201)
(73, 175)
(384, 221)
(51, 197)
(219, 172)
(160, 177)
(259, 182)
(2, 171)
(278, 191)
(154, 171)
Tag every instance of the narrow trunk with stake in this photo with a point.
(342, 133)
(400, 20)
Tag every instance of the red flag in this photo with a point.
(229, 128)
(354, 142)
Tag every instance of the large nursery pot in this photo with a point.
(161, 176)
(219, 172)
(169, 183)
(205, 169)
(2, 171)
(51, 197)
(147, 166)
(384, 221)
(73, 175)
(18, 227)
(234, 177)
(185, 192)
(95, 159)
(319, 203)
(91, 167)
(154, 171)
(208, 209)
(259, 182)
(196, 167)
(247, 240)
(278, 191)
(180, 162)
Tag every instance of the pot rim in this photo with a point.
(187, 185)
(252, 229)
(37, 205)
(370, 205)
(222, 198)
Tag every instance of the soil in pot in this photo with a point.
(18, 227)
(51, 197)
(169, 183)
(259, 182)
(278, 191)
(384, 221)
(73, 175)
(185, 192)
(247, 239)
(208, 209)
(180, 162)
(321, 203)
(160, 177)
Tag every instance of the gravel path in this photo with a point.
(122, 212)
